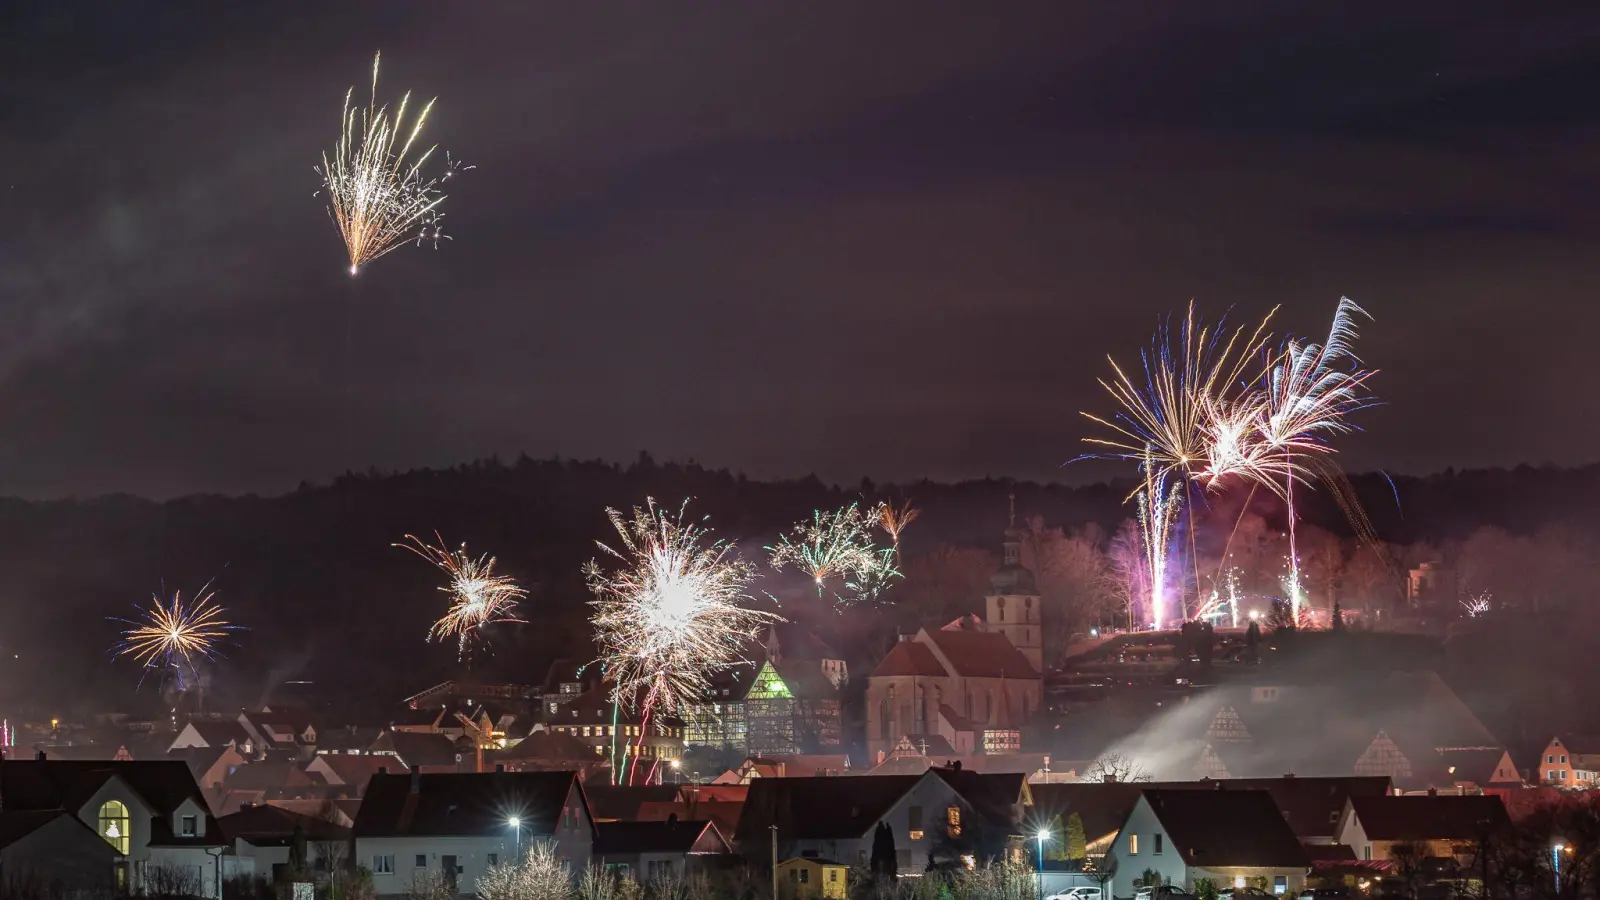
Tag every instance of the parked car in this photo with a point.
(1326, 893)
(1243, 893)
(1077, 893)
(1164, 892)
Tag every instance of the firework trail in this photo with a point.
(1478, 605)
(1223, 601)
(378, 196)
(839, 547)
(671, 616)
(1158, 503)
(1307, 392)
(894, 520)
(172, 635)
(478, 596)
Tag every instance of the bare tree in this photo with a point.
(1113, 766)
(539, 875)
(171, 880)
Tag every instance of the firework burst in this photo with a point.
(478, 596)
(671, 615)
(378, 195)
(175, 635)
(837, 548)
(894, 519)
(1478, 605)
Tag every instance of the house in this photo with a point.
(1570, 761)
(1228, 837)
(812, 878)
(784, 701)
(207, 733)
(1467, 770)
(1311, 805)
(935, 816)
(592, 718)
(1101, 808)
(544, 750)
(964, 679)
(419, 751)
(151, 813)
(791, 766)
(57, 852)
(210, 766)
(461, 824)
(1444, 826)
(350, 773)
(656, 849)
(266, 834)
(351, 740)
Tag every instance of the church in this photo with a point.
(968, 687)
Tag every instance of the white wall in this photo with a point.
(1130, 865)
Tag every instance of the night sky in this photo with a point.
(893, 239)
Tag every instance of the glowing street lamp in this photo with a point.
(1043, 835)
(1555, 861)
(516, 822)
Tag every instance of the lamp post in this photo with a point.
(677, 771)
(1555, 861)
(516, 822)
(1043, 835)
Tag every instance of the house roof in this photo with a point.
(820, 808)
(674, 836)
(14, 826)
(418, 749)
(995, 797)
(350, 737)
(1433, 714)
(621, 802)
(288, 718)
(910, 658)
(1480, 766)
(725, 815)
(1311, 805)
(957, 721)
(200, 760)
(274, 826)
(796, 642)
(1441, 818)
(28, 784)
(216, 733)
(549, 745)
(981, 654)
(267, 776)
(95, 751)
(352, 770)
(800, 765)
(1226, 828)
(1102, 807)
(464, 804)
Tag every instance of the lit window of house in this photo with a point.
(952, 818)
(914, 823)
(1133, 845)
(114, 825)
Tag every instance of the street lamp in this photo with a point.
(1555, 861)
(677, 771)
(1043, 835)
(516, 822)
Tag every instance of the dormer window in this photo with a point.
(190, 826)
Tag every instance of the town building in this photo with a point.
(459, 825)
(1440, 827)
(593, 719)
(1570, 761)
(813, 878)
(152, 814)
(1230, 838)
(785, 700)
(651, 850)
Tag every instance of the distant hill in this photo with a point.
(325, 596)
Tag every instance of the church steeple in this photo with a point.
(1014, 605)
(1012, 578)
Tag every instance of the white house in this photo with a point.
(1442, 826)
(213, 735)
(459, 825)
(647, 850)
(151, 813)
(835, 817)
(1231, 837)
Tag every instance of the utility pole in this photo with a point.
(774, 862)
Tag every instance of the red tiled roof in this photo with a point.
(356, 771)
(982, 654)
(1440, 818)
(912, 658)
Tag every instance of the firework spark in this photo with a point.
(174, 635)
(478, 596)
(1167, 422)
(378, 196)
(671, 616)
(1158, 502)
(1478, 605)
(894, 520)
(838, 547)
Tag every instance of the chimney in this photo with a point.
(383, 770)
(41, 756)
(1433, 792)
(1111, 778)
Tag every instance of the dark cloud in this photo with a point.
(889, 238)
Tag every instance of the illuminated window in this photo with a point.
(114, 825)
(1133, 845)
(952, 818)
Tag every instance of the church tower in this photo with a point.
(1013, 603)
